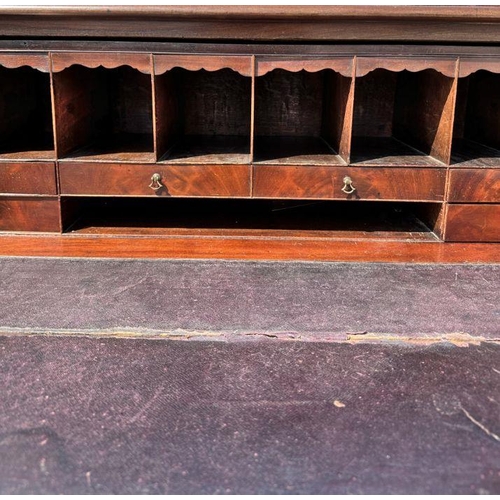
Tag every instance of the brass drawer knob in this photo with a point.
(156, 182)
(348, 187)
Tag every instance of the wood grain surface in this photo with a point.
(134, 180)
(474, 223)
(475, 185)
(395, 23)
(29, 214)
(370, 183)
(28, 178)
(245, 249)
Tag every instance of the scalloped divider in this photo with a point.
(342, 65)
(108, 60)
(39, 62)
(365, 65)
(166, 62)
(467, 66)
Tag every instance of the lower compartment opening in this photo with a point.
(250, 218)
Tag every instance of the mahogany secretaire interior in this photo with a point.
(331, 123)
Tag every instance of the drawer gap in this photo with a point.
(252, 218)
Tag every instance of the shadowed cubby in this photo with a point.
(476, 137)
(203, 116)
(301, 118)
(25, 115)
(402, 118)
(104, 114)
(302, 219)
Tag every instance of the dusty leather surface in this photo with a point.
(82, 415)
(314, 300)
(402, 394)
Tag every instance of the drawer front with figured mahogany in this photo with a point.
(154, 180)
(29, 214)
(28, 178)
(475, 185)
(352, 183)
(473, 223)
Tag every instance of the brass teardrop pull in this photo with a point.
(348, 187)
(156, 182)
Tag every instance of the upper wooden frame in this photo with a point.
(291, 23)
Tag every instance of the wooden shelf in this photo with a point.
(278, 150)
(388, 151)
(209, 149)
(470, 154)
(123, 147)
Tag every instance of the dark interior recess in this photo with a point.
(399, 118)
(300, 118)
(203, 116)
(413, 221)
(25, 114)
(104, 114)
(476, 136)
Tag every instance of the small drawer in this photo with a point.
(28, 178)
(29, 214)
(154, 180)
(473, 223)
(341, 183)
(475, 185)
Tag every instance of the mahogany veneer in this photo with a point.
(134, 180)
(412, 127)
(474, 185)
(473, 223)
(29, 214)
(370, 183)
(28, 178)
